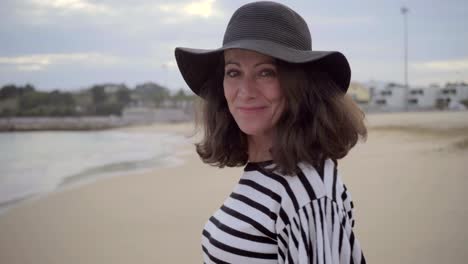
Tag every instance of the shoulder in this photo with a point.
(294, 192)
(312, 183)
(329, 183)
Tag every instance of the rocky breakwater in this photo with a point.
(61, 123)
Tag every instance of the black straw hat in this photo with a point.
(269, 28)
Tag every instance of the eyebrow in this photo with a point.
(257, 64)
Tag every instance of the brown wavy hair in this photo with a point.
(318, 122)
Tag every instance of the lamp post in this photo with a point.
(404, 11)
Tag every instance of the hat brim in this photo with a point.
(196, 65)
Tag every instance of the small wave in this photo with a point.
(76, 159)
(8, 204)
(108, 169)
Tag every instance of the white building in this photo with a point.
(374, 87)
(391, 98)
(423, 98)
(110, 88)
(452, 95)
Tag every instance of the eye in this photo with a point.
(268, 73)
(232, 73)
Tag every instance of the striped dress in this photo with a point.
(273, 218)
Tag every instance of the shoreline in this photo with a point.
(85, 123)
(90, 123)
(113, 169)
(88, 178)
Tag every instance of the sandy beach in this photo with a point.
(407, 182)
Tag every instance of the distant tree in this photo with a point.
(8, 91)
(181, 98)
(98, 94)
(61, 98)
(123, 96)
(109, 109)
(11, 90)
(7, 112)
(104, 103)
(27, 89)
(32, 100)
(177, 98)
(180, 95)
(38, 103)
(150, 88)
(152, 92)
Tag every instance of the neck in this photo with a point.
(259, 148)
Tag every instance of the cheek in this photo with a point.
(281, 106)
(274, 95)
(229, 93)
(276, 98)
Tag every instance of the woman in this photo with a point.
(277, 107)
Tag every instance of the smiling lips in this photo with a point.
(251, 109)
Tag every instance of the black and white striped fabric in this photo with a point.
(274, 218)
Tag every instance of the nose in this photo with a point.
(247, 88)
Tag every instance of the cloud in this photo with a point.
(122, 13)
(59, 13)
(180, 12)
(439, 71)
(171, 64)
(200, 8)
(74, 5)
(341, 21)
(39, 62)
(456, 65)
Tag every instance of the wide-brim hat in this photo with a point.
(269, 28)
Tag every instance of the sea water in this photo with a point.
(35, 163)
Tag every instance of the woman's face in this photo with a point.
(252, 90)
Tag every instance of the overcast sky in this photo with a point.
(72, 44)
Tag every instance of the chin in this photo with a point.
(253, 129)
